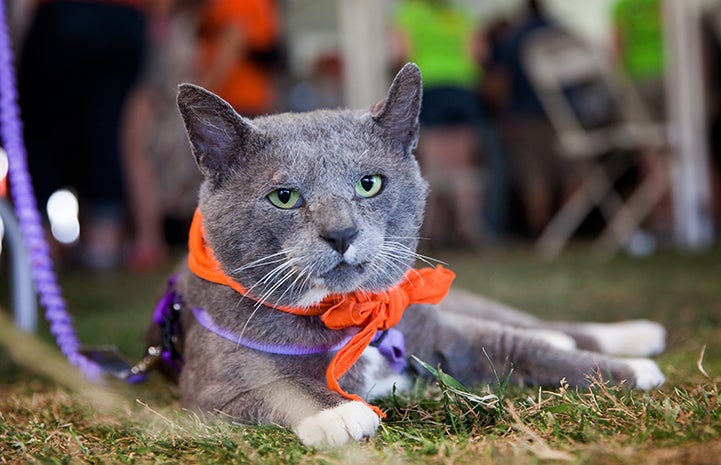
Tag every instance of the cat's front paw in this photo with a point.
(347, 422)
(648, 375)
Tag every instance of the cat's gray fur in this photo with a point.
(337, 242)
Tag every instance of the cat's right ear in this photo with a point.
(398, 113)
(219, 137)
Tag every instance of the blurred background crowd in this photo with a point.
(541, 121)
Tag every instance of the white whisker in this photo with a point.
(268, 277)
(261, 262)
(271, 275)
(300, 274)
(395, 264)
(245, 326)
(269, 292)
(407, 250)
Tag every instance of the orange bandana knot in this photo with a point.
(369, 312)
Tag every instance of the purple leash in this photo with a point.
(390, 343)
(21, 189)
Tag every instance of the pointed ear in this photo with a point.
(219, 137)
(398, 113)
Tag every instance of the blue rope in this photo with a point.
(21, 189)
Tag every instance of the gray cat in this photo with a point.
(299, 207)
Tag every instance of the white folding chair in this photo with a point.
(594, 113)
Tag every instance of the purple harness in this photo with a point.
(390, 343)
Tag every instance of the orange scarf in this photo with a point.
(370, 312)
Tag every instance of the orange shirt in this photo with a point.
(247, 86)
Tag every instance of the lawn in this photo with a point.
(49, 415)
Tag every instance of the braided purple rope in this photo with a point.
(29, 218)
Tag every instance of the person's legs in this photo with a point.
(116, 56)
(48, 93)
(536, 168)
(538, 203)
(448, 154)
(496, 179)
(467, 184)
(148, 249)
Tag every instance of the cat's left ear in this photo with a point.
(398, 112)
(219, 137)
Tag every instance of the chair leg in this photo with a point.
(592, 191)
(628, 218)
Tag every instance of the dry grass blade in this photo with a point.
(532, 441)
(31, 353)
(699, 363)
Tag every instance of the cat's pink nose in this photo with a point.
(340, 239)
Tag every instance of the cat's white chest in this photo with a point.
(313, 296)
(378, 378)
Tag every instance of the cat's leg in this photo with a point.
(347, 422)
(481, 308)
(371, 378)
(476, 351)
(464, 302)
(292, 393)
(263, 388)
(634, 338)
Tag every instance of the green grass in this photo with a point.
(49, 415)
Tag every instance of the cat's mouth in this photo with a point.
(344, 267)
(344, 277)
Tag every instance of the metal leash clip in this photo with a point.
(113, 364)
(167, 317)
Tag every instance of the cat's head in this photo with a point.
(299, 206)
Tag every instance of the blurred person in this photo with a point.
(440, 37)
(638, 45)
(492, 94)
(77, 64)
(494, 88)
(537, 169)
(238, 46)
(322, 88)
(162, 179)
(226, 46)
(638, 39)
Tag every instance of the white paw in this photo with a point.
(635, 338)
(648, 375)
(555, 338)
(348, 422)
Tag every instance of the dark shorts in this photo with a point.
(449, 106)
(78, 63)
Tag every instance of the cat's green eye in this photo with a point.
(285, 198)
(369, 185)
